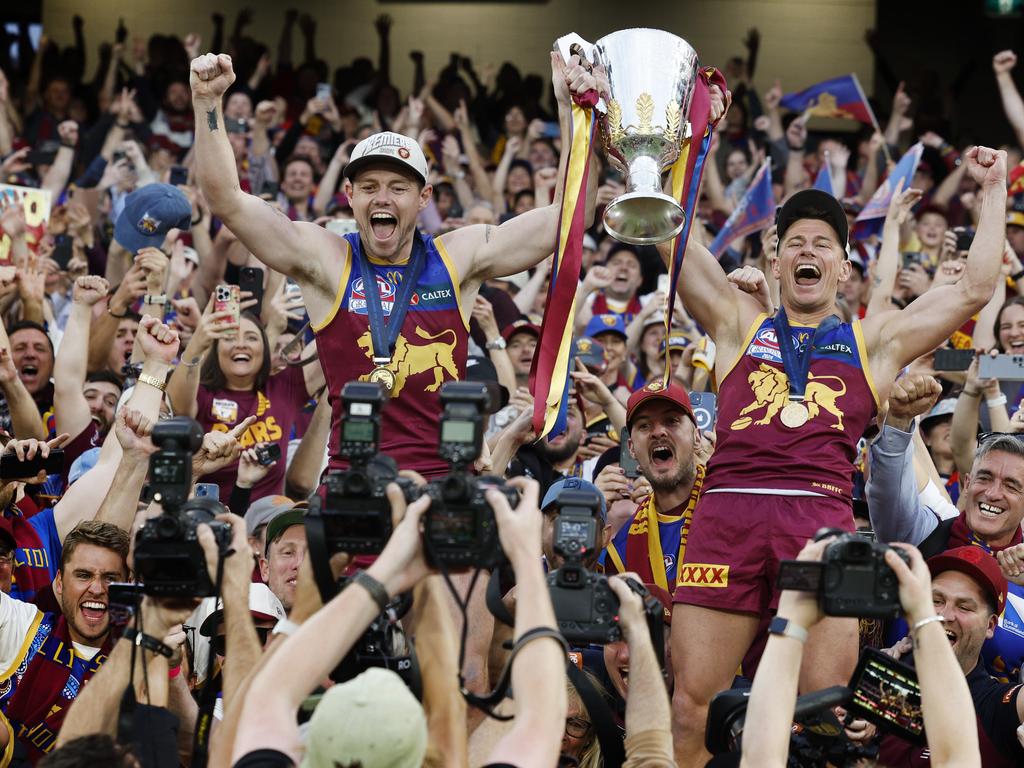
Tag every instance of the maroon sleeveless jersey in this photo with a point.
(431, 349)
(755, 450)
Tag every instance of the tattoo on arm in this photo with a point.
(276, 210)
(487, 233)
(211, 119)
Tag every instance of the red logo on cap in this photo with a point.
(403, 153)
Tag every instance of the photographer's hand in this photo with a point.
(402, 564)
(250, 471)
(915, 583)
(803, 608)
(519, 530)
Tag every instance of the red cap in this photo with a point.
(674, 393)
(979, 565)
(520, 326)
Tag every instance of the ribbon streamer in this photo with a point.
(685, 183)
(549, 374)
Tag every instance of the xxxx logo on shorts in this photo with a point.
(703, 575)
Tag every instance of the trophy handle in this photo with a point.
(574, 45)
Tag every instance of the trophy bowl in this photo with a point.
(651, 77)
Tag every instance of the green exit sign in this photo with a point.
(1003, 8)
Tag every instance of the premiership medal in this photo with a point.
(795, 414)
(384, 377)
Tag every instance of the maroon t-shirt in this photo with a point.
(275, 409)
(85, 440)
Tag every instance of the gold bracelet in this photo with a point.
(153, 381)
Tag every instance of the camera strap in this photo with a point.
(316, 543)
(126, 710)
(208, 697)
(613, 749)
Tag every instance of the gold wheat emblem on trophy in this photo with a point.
(672, 115)
(645, 112)
(615, 132)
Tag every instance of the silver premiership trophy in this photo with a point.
(651, 76)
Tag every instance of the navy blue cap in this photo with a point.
(149, 214)
(606, 324)
(572, 484)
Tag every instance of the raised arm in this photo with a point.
(184, 383)
(71, 363)
(1003, 64)
(897, 337)
(887, 265)
(484, 251)
(294, 248)
(57, 176)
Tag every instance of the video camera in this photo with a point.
(852, 578)
(168, 558)
(459, 530)
(350, 511)
(585, 606)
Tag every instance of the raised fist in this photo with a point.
(987, 167)
(1003, 62)
(210, 75)
(89, 289)
(159, 342)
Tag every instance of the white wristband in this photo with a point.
(285, 627)
(995, 402)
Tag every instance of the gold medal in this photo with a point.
(795, 414)
(384, 377)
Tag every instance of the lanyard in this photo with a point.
(797, 363)
(384, 331)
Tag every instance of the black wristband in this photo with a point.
(1016, 276)
(148, 642)
(374, 587)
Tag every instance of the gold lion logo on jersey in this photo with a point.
(411, 359)
(770, 387)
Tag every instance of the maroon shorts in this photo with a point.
(737, 540)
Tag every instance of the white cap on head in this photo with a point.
(388, 147)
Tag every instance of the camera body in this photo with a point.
(586, 608)
(168, 558)
(576, 527)
(459, 530)
(170, 468)
(852, 578)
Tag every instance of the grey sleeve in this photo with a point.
(897, 513)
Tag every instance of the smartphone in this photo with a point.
(227, 299)
(1005, 367)
(41, 157)
(123, 601)
(231, 125)
(591, 354)
(886, 692)
(910, 258)
(629, 465)
(953, 359)
(323, 91)
(268, 453)
(11, 468)
(551, 131)
(62, 250)
(179, 175)
(342, 227)
(121, 34)
(269, 190)
(663, 283)
(705, 409)
(207, 491)
(251, 279)
(964, 238)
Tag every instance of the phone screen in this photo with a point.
(887, 693)
(629, 465)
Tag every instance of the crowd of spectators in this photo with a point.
(116, 249)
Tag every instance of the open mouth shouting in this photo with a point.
(94, 612)
(662, 456)
(807, 274)
(384, 224)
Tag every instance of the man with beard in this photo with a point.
(663, 438)
(45, 658)
(547, 460)
(174, 121)
(611, 289)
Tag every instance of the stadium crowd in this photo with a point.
(248, 520)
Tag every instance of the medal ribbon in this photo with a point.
(797, 363)
(384, 330)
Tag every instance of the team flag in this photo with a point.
(755, 212)
(904, 170)
(824, 180)
(838, 97)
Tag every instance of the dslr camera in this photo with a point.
(852, 578)
(459, 530)
(168, 558)
(586, 608)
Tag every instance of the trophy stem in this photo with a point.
(644, 175)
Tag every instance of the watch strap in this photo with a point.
(374, 587)
(155, 298)
(153, 381)
(148, 642)
(787, 628)
(498, 343)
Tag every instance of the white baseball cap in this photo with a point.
(388, 147)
